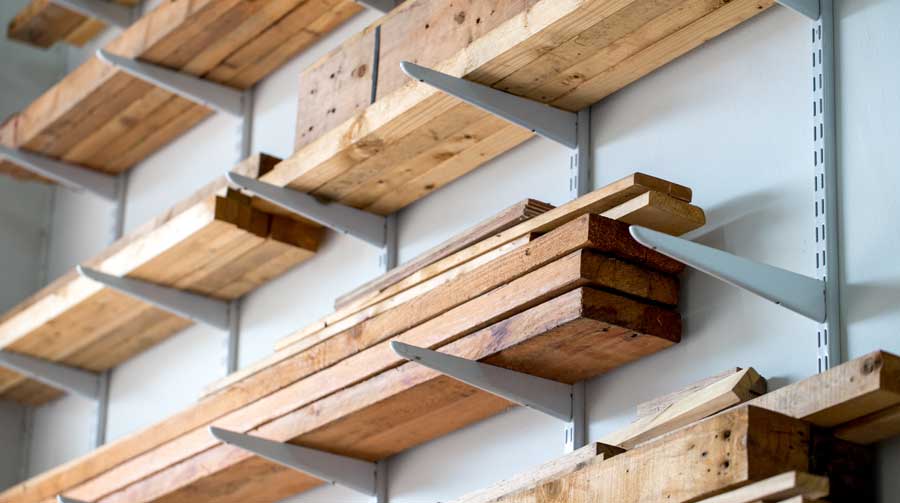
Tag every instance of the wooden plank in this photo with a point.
(729, 450)
(532, 43)
(591, 453)
(855, 389)
(373, 401)
(730, 391)
(42, 23)
(656, 405)
(515, 214)
(588, 232)
(872, 428)
(777, 488)
(598, 201)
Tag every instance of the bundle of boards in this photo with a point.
(216, 243)
(43, 23)
(565, 293)
(725, 440)
(102, 118)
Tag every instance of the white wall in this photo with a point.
(24, 214)
(729, 120)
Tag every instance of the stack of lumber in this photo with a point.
(381, 156)
(571, 296)
(724, 440)
(106, 120)
(43, 23)
(215, 243)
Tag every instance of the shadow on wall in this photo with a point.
(864, 301)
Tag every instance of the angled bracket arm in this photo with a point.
(809, 8)
(379, 5)
(71, 379)
(69, 175)
(352, 473)
(360, 224)
(106, 11)
(62, 499)
(552, 123)
(799, 293)
(203, 92)
(189, 305)
(550, 397)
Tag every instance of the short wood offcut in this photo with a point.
(215, 243)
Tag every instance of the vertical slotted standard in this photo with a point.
(824, 158)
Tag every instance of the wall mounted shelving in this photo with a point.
(214, 244)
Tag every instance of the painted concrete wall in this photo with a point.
(729, 120)
(24, 215)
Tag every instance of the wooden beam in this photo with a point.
(777, 488)
(515, 214)
(720, 395)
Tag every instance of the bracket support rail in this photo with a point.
(69, 175)
(71, 379)
(799, 293)
(552, 123)
(809, 8)
(562, 401)
(203, 92)
(195, 307)
(112, 13)
(62, 499)
(379, 5)
(361, 476)
(360, 224)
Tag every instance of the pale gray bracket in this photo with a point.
(552, 123)
(246, 127)
(118, 223)
(69, 175)
(799, 293)
(379, 5)
(361, 476)
(203, 92)
(562, 401)
(189, 305)
(115, 14)
(102, 408)
(62, 499)
(809, 8)
(360, 224)
(389, 254)
(71, 379)
(580, 161)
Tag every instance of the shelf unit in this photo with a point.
(547, 330)
(398, 149)
(104, 119)
(43, 23)
(215, 244)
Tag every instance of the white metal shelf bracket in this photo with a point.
(115, 14)
(796, 292)
(189, 305)
(77, 381)
(552, 123)
(562, 401)
(379, 5)
(360, 224)
(62, 499)
(809, 8)
(201, 91)
(361, 476)
(70, 175)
